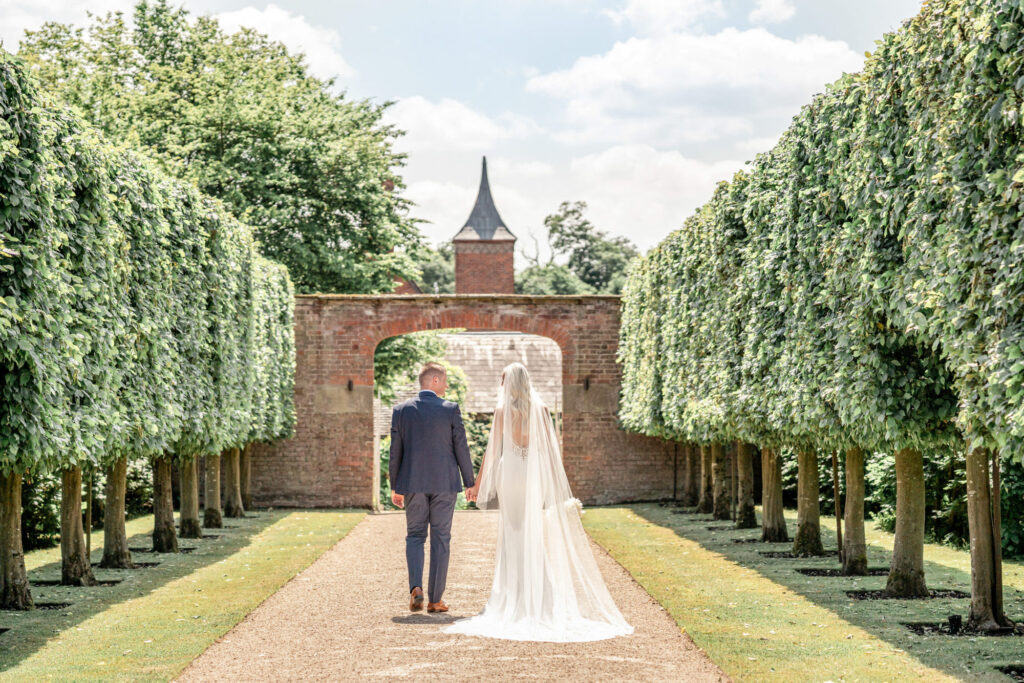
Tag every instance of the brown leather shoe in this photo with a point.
(438, 606)
(416, 599)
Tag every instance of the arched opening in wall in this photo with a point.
(475, 361)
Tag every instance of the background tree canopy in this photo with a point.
(312, 171)
(595, 262)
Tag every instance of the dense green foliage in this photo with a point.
(595, 263)
(550, 279)
(437, 269)
(861, 283)
(137, 316)
(311, 170)
(596, 258)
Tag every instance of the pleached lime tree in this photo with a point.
(875, 290)
(128, 326)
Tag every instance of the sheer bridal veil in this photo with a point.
(547, 585)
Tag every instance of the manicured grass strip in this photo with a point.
(751, 626)
(150, 626)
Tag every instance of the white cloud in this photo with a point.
(642, 192)
(772, 11)
(18, 15)
(655, 17)
(322, 46)
(682, 88)
(449, 124)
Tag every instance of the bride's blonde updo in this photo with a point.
(516, 400)
(517, 384)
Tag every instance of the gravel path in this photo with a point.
(347, 618)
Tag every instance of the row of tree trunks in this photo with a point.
(773, 522)
(906, 572)
(115, 538)
(233, 506)
(808, 514)
(720, 479)
(745, 517)
(14, 590)
(855, 549)
(188, 518)
(75, 567)
(705, 499)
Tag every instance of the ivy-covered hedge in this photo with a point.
(136, 315)
(861, 284)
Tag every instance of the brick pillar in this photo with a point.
(484, 267)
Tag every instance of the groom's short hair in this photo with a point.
(430, 371)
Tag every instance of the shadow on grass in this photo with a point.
(886, 619)
(23, 633)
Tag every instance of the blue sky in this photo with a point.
(636, 106)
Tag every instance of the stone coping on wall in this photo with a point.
(491, 298)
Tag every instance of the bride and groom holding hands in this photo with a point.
(546, 586)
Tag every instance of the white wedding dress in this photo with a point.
(547, 586)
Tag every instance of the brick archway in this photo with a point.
(330, 460)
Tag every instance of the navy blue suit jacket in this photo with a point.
(428, 446)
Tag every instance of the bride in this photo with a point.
(547, 586)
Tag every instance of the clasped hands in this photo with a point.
(398, 500)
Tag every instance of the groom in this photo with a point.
(428, 453)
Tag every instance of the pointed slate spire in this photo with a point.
(484, 222)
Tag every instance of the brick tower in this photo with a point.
(484, 248)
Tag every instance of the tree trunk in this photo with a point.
(75, 569)
(745, 517)
(691, 495)
(705, 501)
(720, 472)
(14, 590)
(835, 505)
(212, 516)
(245, 476)
(88, 517)
(734, 480)
(188, 519)
(808, 515)
(232, 486)
(773, 521)
(855, 548)
(164, 538)
(906, 573)
(986, 595)
(115, 538)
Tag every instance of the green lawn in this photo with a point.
(153, 623)
(760, 619)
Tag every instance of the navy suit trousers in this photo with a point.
(433, 510)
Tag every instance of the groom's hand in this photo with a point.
(398, 500)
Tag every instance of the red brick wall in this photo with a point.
(330, 460)
(484, 267)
